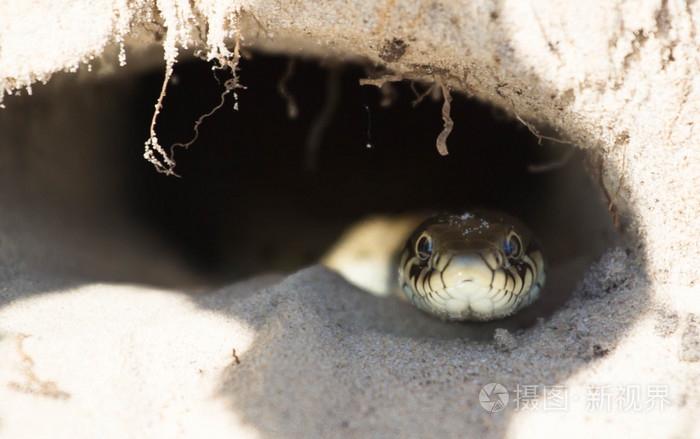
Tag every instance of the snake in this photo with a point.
(475, 266)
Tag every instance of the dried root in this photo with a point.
(448, 123)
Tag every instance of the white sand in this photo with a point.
(317, 357)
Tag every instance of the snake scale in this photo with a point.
(477, 266)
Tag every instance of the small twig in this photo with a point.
(34, 385)
(388, 92)
(545, 167)
(611, 206)
(543, 31)
(529, 126)
(268, 34)
(378, 82)
(319, 125)
(383, 84)
(420, 96)
(448, 123)
(235, 357)
(232, 65)
(292, 109)
(622, 176)
(154, 152)
(664, 291)
(230, 85)
(536, 133)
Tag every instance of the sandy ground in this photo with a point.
(309, 355)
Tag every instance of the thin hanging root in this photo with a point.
(622, 177)
(154, 152)
(378, 82)
(554, 164)
(531, 128)
(598, 172)
(230, 85)
(319, 125)
(448, 123)
(292, 109)
(536, 133)
(419, 96)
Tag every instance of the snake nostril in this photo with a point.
(499, 259)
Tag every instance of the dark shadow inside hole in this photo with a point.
(246, 204)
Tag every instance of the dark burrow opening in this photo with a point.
(246, 203)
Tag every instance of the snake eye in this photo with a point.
(424, 247)
(512, 246)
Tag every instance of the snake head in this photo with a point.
(476, 266)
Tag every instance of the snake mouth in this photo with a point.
(469, 299)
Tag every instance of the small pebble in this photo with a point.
(504, 339)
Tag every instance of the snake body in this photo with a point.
(478, 266)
